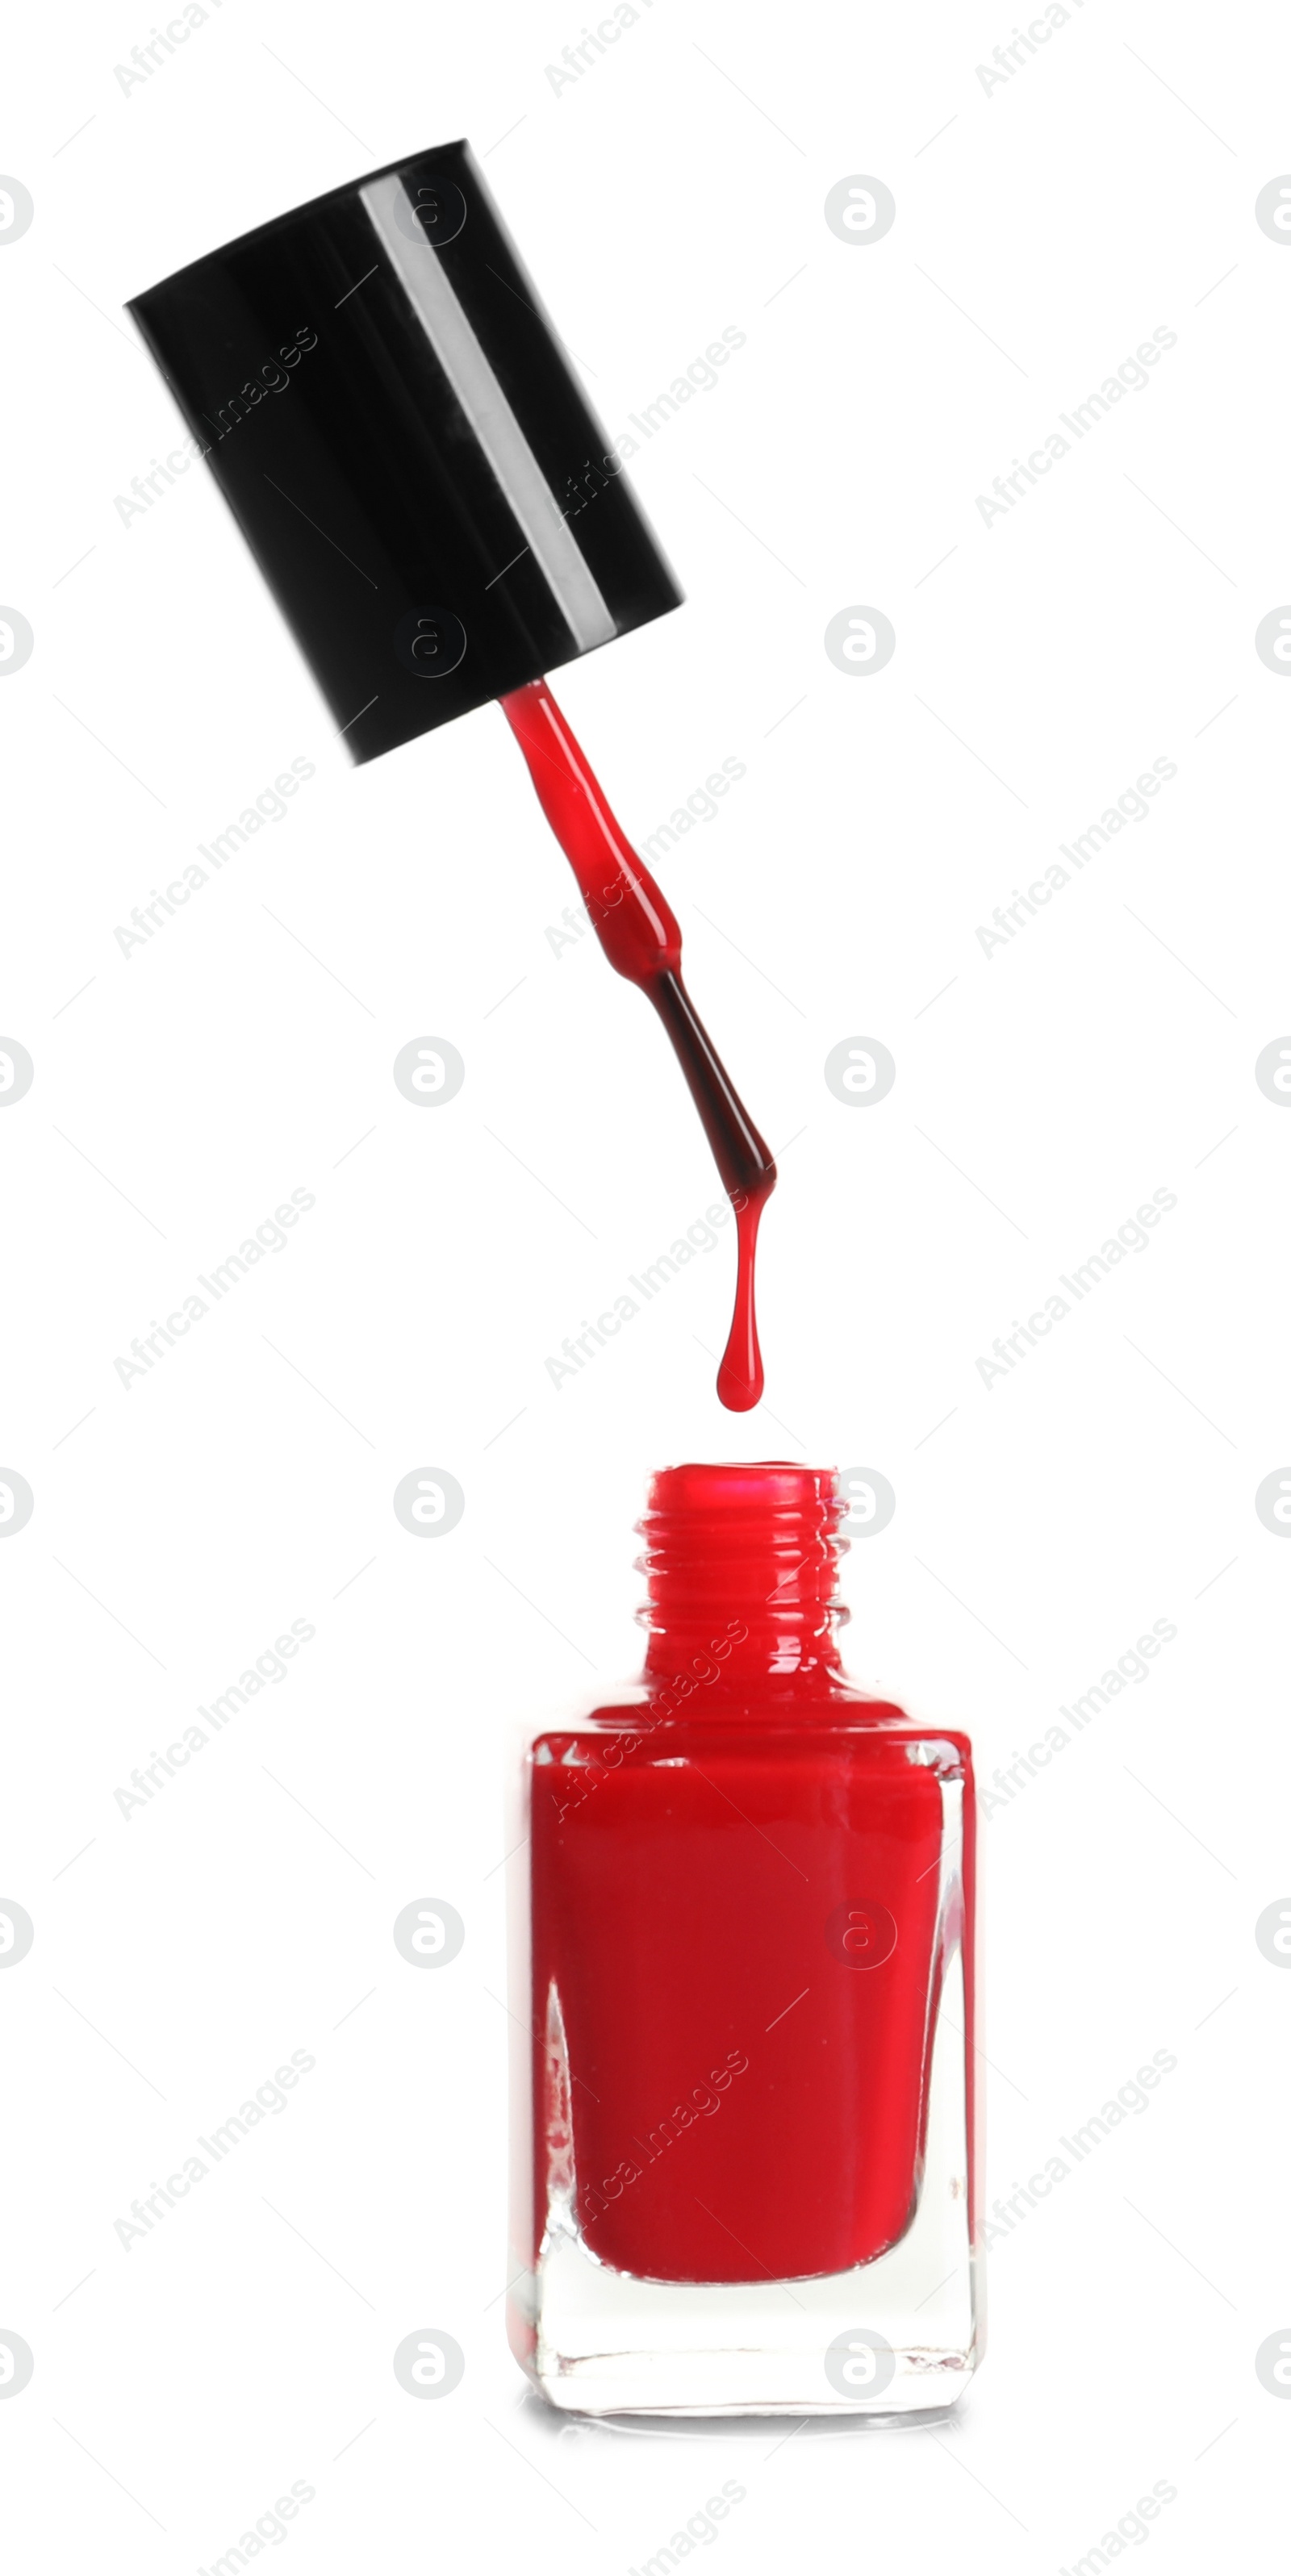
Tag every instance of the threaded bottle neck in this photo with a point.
(745, 1558)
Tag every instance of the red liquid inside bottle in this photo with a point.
(749, 1991)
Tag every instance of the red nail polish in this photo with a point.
(745, 2111)
(638, 931)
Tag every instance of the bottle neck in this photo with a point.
(741, 1566)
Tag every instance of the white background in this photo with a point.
(1043, 230)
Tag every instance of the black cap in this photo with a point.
(416, 469)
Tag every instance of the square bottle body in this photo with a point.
(744, 2159)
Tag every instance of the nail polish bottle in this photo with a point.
(742, 2000)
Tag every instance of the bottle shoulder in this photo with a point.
(642, 1718)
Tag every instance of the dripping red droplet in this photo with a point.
(641, 938)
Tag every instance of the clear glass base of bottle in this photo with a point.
(898, 2337)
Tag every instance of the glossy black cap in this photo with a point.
(391, 416)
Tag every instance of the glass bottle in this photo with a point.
(742, 1987)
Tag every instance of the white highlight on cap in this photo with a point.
(444, 322)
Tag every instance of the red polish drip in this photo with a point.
(641, 938)
(740, 1377)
